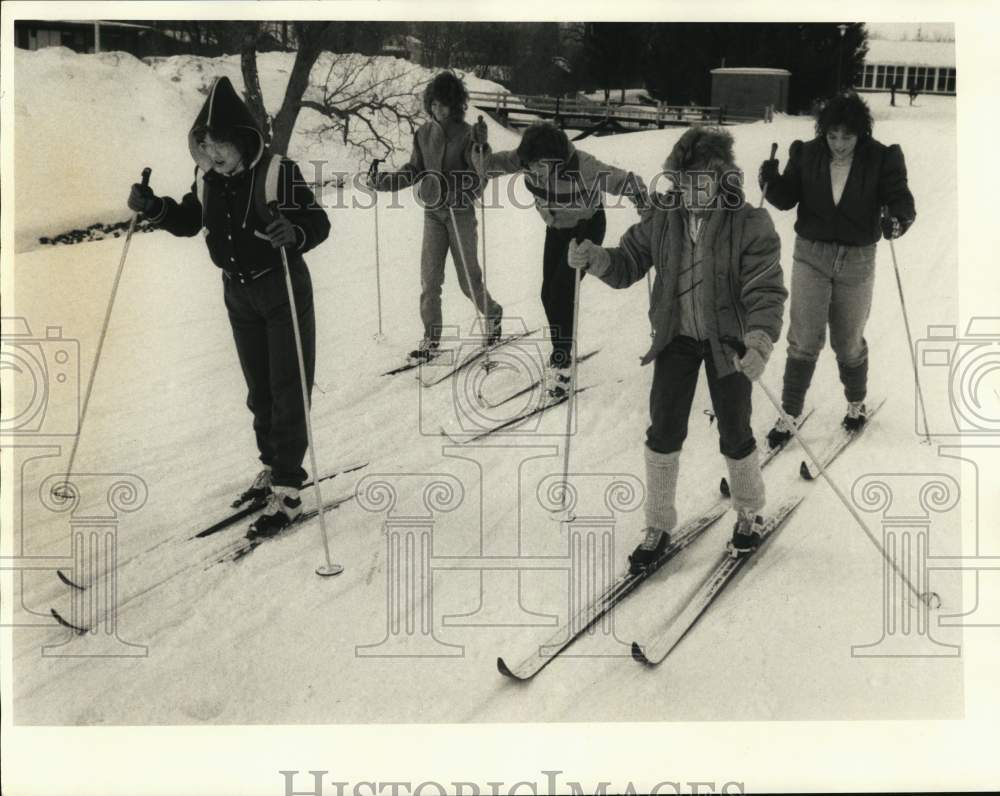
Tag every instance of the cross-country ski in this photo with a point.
(666, 639)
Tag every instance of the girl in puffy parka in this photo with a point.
(718, 274)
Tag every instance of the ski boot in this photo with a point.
(779, 436)
(258, 491)
(649, 549)
(425, 352)
(746, 533)
(856, 417)
(283, 508)
(557, 382)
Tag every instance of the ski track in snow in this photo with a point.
(265, 640)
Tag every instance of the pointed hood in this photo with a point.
(223, 109)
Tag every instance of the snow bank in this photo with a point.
(86, 125)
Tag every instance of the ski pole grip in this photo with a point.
(774, 149)
(145, 176)
(734, 343)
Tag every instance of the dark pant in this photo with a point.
(261, 318)
(675, 377)
(558, 281)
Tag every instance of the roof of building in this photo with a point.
(104, 23)
(911, 53)
(748, 70)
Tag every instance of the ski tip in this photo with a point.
(65, 579)
(724, 487)
(76, 629)
(504, 669)
(804, 472)
(638, 653)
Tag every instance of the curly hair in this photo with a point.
(448, 89)
(543, 141)
(702, 148)
(846, 110)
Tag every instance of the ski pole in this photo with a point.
(468, 281)
(329, 568)
(565, 515)
(63, 490)
(763, 191)
(741, 349)
(373, 175)
(909, 336)
(482, 210)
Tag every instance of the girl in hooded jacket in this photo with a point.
(840, 181)
(235, 180)
(718, 275)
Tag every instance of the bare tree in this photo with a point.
(361, 103)
(358, 101)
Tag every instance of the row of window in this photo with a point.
(926, 79)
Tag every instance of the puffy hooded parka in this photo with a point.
(232, 209)
(743, 285)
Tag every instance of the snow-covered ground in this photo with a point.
(266, 640)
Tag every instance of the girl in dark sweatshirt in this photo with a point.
(840, 182)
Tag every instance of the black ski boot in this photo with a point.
(746, 533)
(258, 491)
(856, 417)
(425, 352)
(781, 434)
(650, 549)
(283, 508)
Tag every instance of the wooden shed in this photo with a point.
(747, 91)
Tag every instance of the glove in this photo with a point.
(281, 231)
(768, 172)
(892, 227)
(141, 199)
(759, 346)
(480, 133)
(588, 256)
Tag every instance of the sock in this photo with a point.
(746, 484)
(661, 489)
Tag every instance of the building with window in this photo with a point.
(928, 66)
(79, 35)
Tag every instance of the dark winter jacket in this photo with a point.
(225, 207)
(572, 192)
(877, 178)
(442, 163)
(743, 286)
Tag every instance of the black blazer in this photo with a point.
(877, 178)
